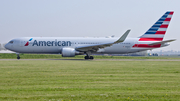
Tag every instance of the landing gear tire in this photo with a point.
(18, 57)
(88, 57)
(91, 57)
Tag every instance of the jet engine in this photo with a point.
(70, 52)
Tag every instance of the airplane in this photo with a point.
(71, 46)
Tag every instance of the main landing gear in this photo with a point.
(18, 57)
(88, 56)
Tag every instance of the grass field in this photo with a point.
(58, 56)
(75, 80)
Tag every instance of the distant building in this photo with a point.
(2, 46)
(165, 53)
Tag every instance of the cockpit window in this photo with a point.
(11, 42)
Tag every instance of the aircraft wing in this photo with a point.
(97, 46)
(162, 42)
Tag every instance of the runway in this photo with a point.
(92, 60)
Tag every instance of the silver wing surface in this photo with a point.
(95, 48)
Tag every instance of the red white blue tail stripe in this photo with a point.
(158, 30)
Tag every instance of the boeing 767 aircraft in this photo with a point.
(71, 46)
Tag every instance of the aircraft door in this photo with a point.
(22, 43)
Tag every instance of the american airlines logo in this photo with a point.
(48, 43)
(27, 44)
(51, 43)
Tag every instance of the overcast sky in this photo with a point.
(79, 18)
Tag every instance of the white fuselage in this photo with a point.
(54, 45)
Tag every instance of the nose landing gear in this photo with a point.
(18, 57)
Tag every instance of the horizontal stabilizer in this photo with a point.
(162, 42)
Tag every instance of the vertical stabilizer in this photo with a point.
(158, 30)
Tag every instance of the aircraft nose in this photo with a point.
(7, 46)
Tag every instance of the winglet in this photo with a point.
(123, 37)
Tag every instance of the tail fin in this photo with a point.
(158, 30)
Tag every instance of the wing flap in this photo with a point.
(92, 47)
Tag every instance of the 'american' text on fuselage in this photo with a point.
(51, 43)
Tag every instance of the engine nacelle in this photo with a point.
(68, 52)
